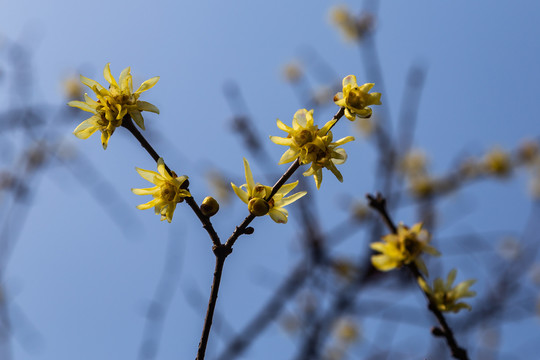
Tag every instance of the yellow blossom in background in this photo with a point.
(446, 295)
(529, 153)
(356, 99)
(167, 193)
(113, 103)
(422, 185)
(403, 248)
(312, 145)
(497, 162)
(346, 331)
(414, 162)
(255, 195)
(352, 28)
(72, 88)
(292, 71)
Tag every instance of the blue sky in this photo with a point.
(83, 282)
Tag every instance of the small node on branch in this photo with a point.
(437, 331)
(249, 230)
(221, 251)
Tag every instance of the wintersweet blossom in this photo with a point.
(302, 133)
(403, 248)
(167, 193)
(255, 196)
(113, 103)
(312, 145)
(445, 295)
(324, 153)
(356, 99)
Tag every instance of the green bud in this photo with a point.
(258, 207)
(209, 206)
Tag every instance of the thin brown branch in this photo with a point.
(221, 253)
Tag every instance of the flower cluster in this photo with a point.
(112, 104)
(403, 248)
(352, 28)
(356, 99)
(167, 193)
(312, 145)
(256, 196)
(445, 295)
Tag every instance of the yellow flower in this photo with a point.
(403, 248)
(312, 145)
(302, 132)
(445, 295)
(167, 193)
(323, 153)
(255, 194)
(352, 28)
(112, 105)
(498, 162)
(356, 99)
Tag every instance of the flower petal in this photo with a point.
(83, 106)
(279, 215)
(148, 175)
(92, 84)
(86, 128)
(108, 76)
(290, 199)
(146, 106)
(243, 195)
(148, 84)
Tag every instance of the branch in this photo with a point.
(378, 203)
(206, 223)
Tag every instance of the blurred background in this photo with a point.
(85, 275)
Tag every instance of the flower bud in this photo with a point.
(258, 207)
(209, 206)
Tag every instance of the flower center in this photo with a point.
(356, 98)
(303, 137)
(168, 192)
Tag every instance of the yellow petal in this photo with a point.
(349, 80)
(281, 141)
(108, 76)
(279, 215)
(383, 262)
(240, 193)
(162, 170)
(137, 117)
(83, 106)
(282, 126)
(124, 78)
(287, 187)
(148, 175)
(86, 128)
(146, 191)
(288, 156)
(92, 84)
(290, 199)
(149, 204)
(146, 106)
(249, 176)
(148, 84)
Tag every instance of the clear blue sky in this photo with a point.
(84, 283)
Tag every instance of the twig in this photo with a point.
(221, 253)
